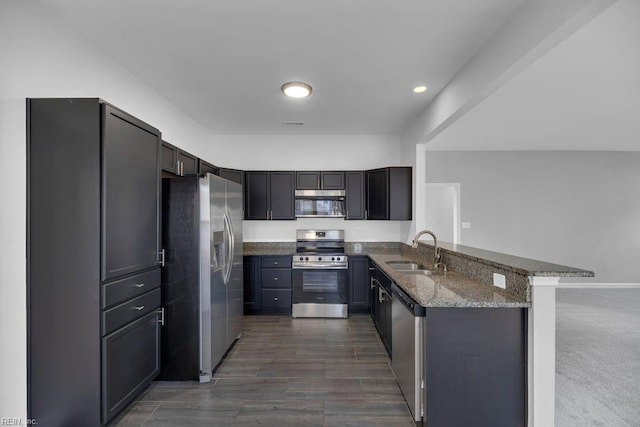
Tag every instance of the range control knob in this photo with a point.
(301, 258)
(338, 259)
(333, 258)
(306, 258)
(319, 258)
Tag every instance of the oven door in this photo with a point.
(320, 286)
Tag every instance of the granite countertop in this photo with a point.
(268, 248)
(448, 289)
(530, 267)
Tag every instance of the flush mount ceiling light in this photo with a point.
(419, 89)
(296, 89)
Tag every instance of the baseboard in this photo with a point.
(599, 285)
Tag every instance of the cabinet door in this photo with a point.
(256, 195)
(400, 193)
(282, 195)
(232, 175)
(359, 284)
(188, 162)
(307, 180)
(206, 167)
(332, 180)
(252, 289)
(130, 361)
(387, 319)
(130, 194)
(377, 194)
(169, 157)
(355, 195)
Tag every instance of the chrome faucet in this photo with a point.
(436, 249)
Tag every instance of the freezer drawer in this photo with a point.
(131, 360)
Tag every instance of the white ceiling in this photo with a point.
(223, 61)
(582, 95)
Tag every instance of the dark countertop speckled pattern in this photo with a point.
(517, 264)
(268, 248)
(449, 289)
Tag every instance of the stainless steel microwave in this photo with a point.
(320, 203)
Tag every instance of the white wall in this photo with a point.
(568, 207)
(314, 152)
(41, 59)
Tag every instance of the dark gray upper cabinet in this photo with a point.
(307, 180)
(169, 158)
(332, 180)
(256, 195)
(206, 167)
(130, 194)
(282, 204)
(234, 175)
(355, 195)
(188, 163)
(269, 195)
(315, 180)
(177, 161)
(389, 193)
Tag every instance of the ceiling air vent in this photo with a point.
(292, 123)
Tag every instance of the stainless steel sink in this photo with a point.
(417, 272)
(406, 266)
(410, 267)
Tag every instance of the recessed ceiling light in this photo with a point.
(296, 89)
(419, 89)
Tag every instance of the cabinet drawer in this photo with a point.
(130, 361)
(121, 290)
(122, 314)
(276, 278)
(276, 298)
(276, 262)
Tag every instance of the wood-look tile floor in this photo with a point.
(286, 372)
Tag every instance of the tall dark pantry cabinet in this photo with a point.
(93, 260)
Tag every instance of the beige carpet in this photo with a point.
(598, 357)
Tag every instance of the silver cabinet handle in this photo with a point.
(275, 298)
(139, 285)
(161, 313)
(178, 167)
(275, 263)
(139, 307)
(161, 255)
(275, 278)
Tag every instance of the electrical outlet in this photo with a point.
(499, 280)
(466, 225)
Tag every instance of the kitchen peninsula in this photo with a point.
(500, 348)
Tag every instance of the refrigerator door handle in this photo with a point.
(229, 237)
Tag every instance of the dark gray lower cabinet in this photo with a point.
(252, 291)
(381, 302)
(475, 367)
(359, 284)
(130, 361)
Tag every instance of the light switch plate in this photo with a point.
(466, 225)
(499, 280)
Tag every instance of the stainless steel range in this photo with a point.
(320, 274)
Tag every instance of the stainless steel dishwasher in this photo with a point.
(407, 327)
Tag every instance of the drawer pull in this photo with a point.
(275, 278)
(139, 307)
(275, 298)
(139, 285)
(275, 262)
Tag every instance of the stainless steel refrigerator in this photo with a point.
(202, 289)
